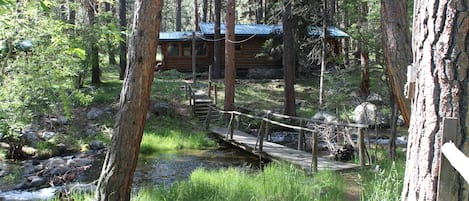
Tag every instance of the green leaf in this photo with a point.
(81, 53)
(45, 5)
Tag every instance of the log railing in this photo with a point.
(267, 120)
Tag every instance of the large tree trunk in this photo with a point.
(121, 159)
(217, 44)
(93, 50)
(440, 45)
(123, 42)
(288, 61)
(230, 68)
(396, 48)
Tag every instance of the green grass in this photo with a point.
(384, 180)
(275, 182)
(169, 133)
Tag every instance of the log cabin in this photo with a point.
(175, 48)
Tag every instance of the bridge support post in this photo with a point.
(209, 118)
(230, 126)
(361, 146)
(314, 152)
(301, 137)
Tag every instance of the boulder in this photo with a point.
(326, 117)
(94, 113)
(162, 108)
(96, 145)
(368, 113)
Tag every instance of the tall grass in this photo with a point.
(384, 183)
(275, 182)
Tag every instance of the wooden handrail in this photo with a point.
(457, 159)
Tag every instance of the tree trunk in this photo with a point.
(93, 50)
(204, 10)
(196, 16)
(121, 159)
(288, 61)
(123, 42)
(396, 48)
(260, 12)
(440, 45)
(110, 47)
(230, 68)
(217, 44)
(178, 15)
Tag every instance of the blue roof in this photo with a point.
(207, 29)
(240, 29)
(177, 36)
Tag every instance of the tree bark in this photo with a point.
(230, 68)
(123, 42)
(110, 47)
(217, 44)
(178, 15)
(260, 12)
(397, 50)
(440, 45)
(204, 10)
(121, 159)
(288, 61)
(93, 50)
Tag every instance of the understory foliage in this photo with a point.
(38, 65)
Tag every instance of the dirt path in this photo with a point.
(353, 189)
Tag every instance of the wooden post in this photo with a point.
(209, 118)
(361, 146)
(301, 144)
(215, 97)
(448, 176)
(210, 81)
(194, 68)
(230, 127)
(314, 152)
(267, 128)
(261, 135)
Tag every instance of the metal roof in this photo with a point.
(240, 29)
(331, 31)
(207, 29)
(178, 36)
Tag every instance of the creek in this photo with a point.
(156, 169)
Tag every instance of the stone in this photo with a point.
(94, 113)
(96, 145)
(162, 108)
(47, 135)
(58, 121)
(368, 113)
(325, 116)
(37, 181)
(31, 137)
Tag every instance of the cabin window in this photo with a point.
(186, 49)
(173, 49)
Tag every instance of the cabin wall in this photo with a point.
(247, 59)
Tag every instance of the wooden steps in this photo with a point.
(201, 107)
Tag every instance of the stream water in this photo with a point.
(158, 169)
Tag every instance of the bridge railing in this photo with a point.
(267, 120)
(453, 162)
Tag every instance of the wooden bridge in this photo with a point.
(204, 108)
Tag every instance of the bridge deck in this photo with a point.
(279, 152)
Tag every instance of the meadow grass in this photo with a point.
(278, 181)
